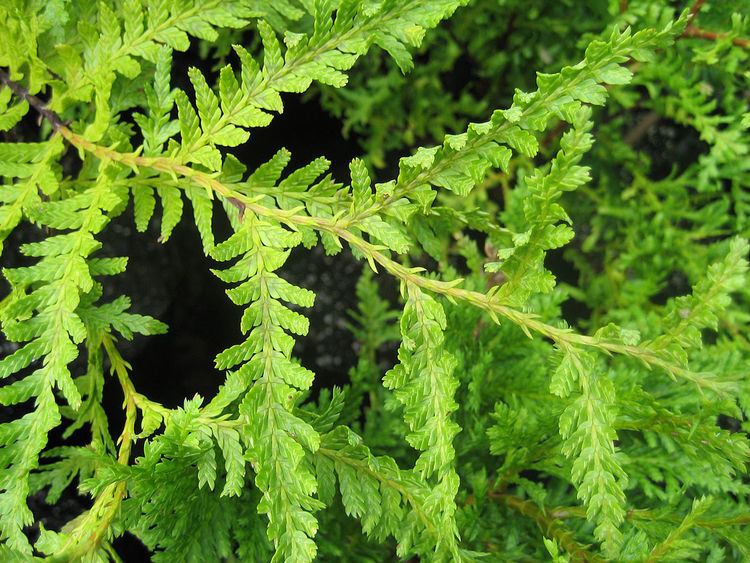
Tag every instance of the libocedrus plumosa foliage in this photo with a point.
(501, 425)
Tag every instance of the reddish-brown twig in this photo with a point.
(698, 33)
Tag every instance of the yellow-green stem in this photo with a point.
(91, 531)
(340, 225)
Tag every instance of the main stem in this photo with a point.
(339, 227)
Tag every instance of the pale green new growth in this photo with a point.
(425, 385)
(630, 444)
(275, 436)
(587, 429)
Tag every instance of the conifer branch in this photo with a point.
(92, 531)
(339, 228)
(529, 322)
(610, 434)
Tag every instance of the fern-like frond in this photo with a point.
(424, 383)
(587, 428)
(53, 308)
(117, 42)
(337, 41)
(688, 315)
(42, 313)
(388, 500)
(462, 160)
(545, 228)
(276, 437)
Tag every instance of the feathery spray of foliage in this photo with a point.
(502, 432)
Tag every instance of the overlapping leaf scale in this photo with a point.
(277, 438)
(425, 385)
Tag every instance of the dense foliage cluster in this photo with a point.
(564, 373)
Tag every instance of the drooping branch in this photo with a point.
(343, 226)
(340, 227)
(91, 531)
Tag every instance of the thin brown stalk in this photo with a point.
(698, 33)
(549, 526)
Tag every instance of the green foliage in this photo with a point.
(277, 439)
(424, 383)
(587, 429)
(545, 386)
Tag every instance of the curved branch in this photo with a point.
(90, 532)
(339, 226)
